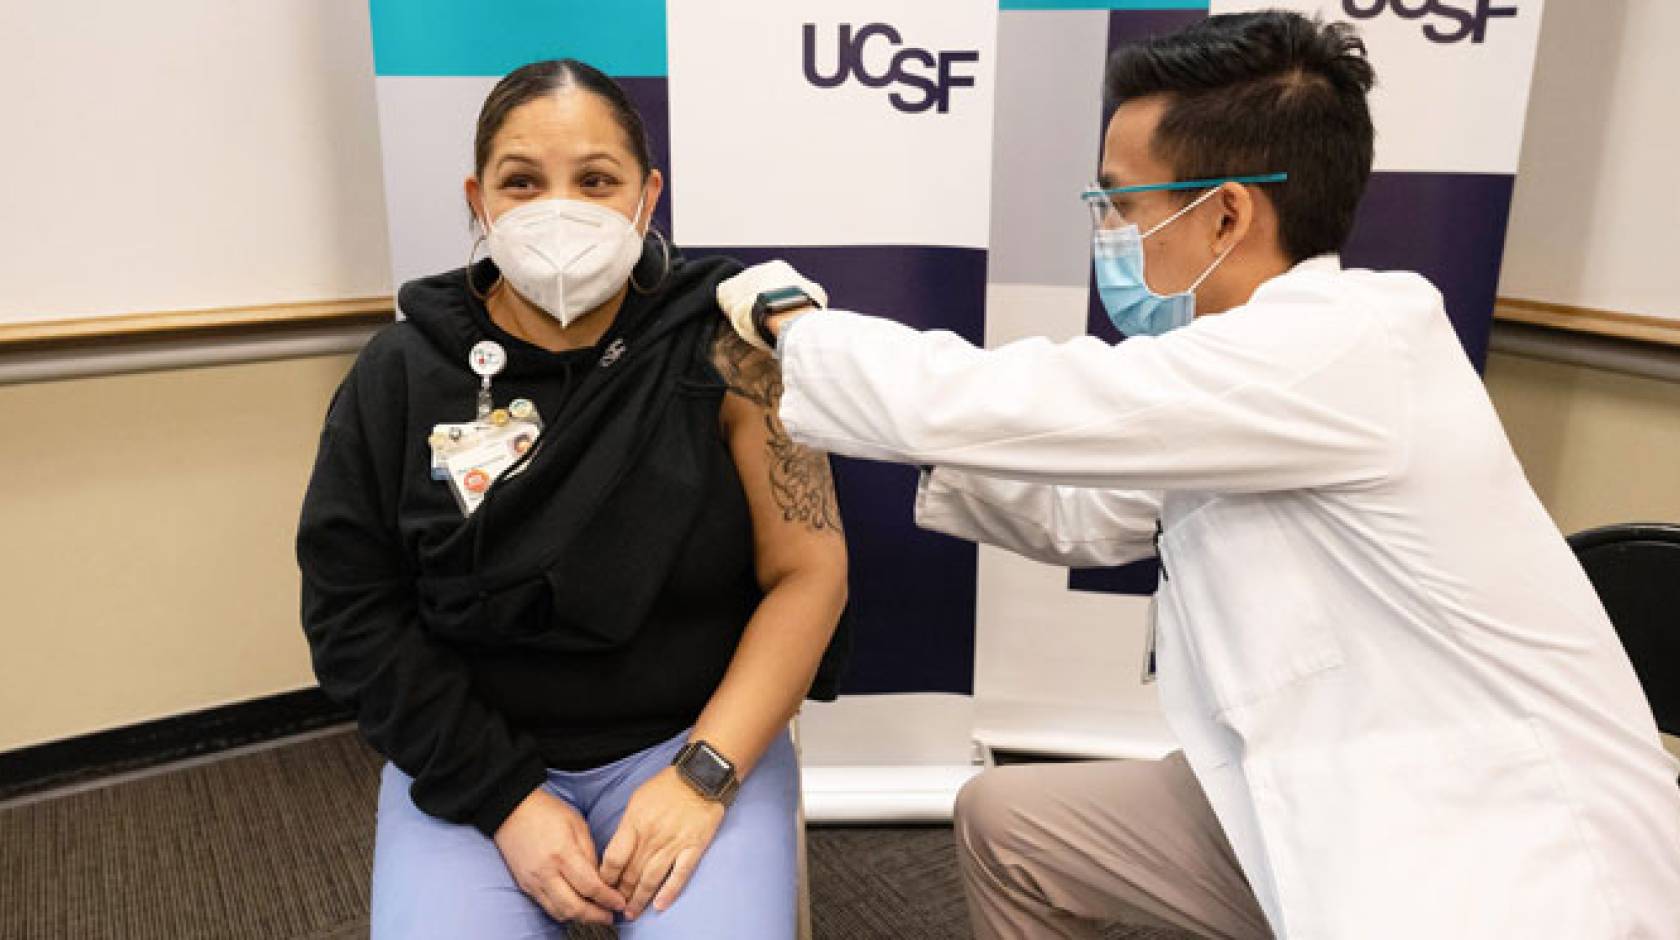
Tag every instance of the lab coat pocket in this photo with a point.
(1458, 833)
(1253, 622)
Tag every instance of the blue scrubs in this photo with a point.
(434, 879)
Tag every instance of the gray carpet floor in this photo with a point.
(277, 843)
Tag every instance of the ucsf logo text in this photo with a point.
(1470, 24)
(914, 70)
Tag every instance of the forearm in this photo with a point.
(1058, 525)
(415, 705)
(773, 666)
(413, 698)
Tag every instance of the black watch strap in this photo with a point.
(772, 302)
(761, 323)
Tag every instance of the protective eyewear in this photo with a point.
(1106, 215)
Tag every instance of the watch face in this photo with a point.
(706, 768)
(784, 298)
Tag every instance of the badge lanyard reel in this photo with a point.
(472, 455)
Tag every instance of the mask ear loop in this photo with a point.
(1212, 268)
(1217, 261)
(1204, 197)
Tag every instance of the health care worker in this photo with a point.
(1406, 708)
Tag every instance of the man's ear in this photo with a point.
(1236, 215)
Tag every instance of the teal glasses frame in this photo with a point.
(1187, 184)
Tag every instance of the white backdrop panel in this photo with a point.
(426, 124)
(760, 156)
(1439, 107)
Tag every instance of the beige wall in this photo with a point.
(146, 563)
(1599, 447)
(146, 522)
(1596, 186)
(235, 148)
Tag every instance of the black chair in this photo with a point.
(1635, 568)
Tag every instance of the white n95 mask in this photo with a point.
(566, 256)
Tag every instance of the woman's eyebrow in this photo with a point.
(601, 155)
(517, 158)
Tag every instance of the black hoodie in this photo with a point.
(589, 608)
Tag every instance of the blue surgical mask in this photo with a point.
(1134, 308)
(1117, 254)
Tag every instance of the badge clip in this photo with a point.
(487, 359)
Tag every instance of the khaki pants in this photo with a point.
(1057, 850)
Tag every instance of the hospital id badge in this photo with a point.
(449, 439)
(519, 418)
(1149, 641)
(478, 456)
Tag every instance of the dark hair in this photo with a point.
(529, 82)
(1263, 92)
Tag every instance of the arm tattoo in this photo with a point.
(752, 374)
(800, 479)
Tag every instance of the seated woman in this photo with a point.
(572, 650)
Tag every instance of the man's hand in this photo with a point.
(547, 847)
(737, 295)
(666, 828)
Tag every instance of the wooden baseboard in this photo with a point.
(135, 747)
(183, 323)
(1646, 329)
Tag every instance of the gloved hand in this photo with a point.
(737, 295)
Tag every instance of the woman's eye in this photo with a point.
(598, 182)
(518, 182)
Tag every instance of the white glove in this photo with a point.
(737, 295)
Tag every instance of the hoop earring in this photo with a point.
(482, 296)
(665, 247)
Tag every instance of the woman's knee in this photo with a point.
(745, 886)
(437, 879)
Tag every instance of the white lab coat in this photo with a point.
(1389, 673)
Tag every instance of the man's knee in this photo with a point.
(988, 809)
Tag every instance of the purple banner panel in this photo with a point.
(652, 97)
(1448, 227)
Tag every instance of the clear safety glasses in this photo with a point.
(1108, 206)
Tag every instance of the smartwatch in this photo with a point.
(772, 302)
(708, 772)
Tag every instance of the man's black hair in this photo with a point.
(1264, 92)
